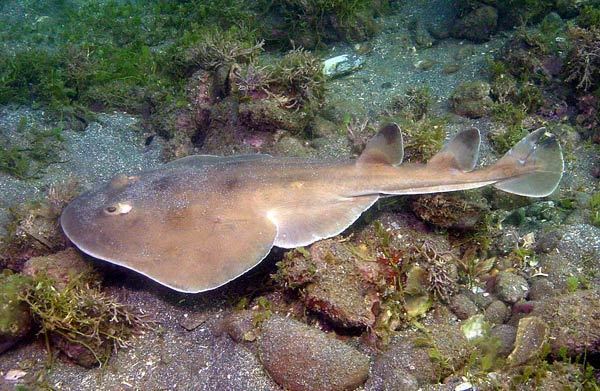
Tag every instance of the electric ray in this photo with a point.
(198, 222)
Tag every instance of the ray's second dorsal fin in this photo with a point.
(460, 153)
(386, 147)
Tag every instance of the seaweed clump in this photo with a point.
(414, 104)
(85, 323)
(31, 156)
(311, 23)
(299, 74)
(583, 66)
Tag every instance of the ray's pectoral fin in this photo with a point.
(190, 250)
(319, 218)
(460, 153)
(386, 147)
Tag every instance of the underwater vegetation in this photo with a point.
(30, 156)
(80, 320)
(312, 23)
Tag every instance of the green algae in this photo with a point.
(37, 150)
(594, 205)
(81, 315)
(15, 317)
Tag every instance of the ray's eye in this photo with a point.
(118, 209)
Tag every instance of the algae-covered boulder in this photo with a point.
(333, 283)
(15, 317)
(573, 322)
(300, 357)
(478, 25)
(63, 267)
(511, 287)
(458, 211)
(471, 99)
(416, 359)
(268, 116)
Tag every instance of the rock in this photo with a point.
(462, 306)
(240, 326)
(422, 37)
(63, 267)
(541, 289)
(548, 241)
(574, 322)
(401, 367)
(506, 335)
(532, 334)
(456, 211)
(510, 287)
(15, 317)
(335, 284)
(577, 253)
(299, 357)
(80, 354)
(497, 312)
(268, 116)
(413, 359)
(471, 99)
(478, 25)
(481, 298)
(342, 65)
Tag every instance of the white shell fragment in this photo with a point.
(342, 65)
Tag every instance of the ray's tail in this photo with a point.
(539, 157)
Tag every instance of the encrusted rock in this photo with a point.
(299, 357)
(574, 322)
(497, 312)
(266, 115)
(477, 25)
(541, 289)
(63, 267)
(335, 284)
(532, 334)
(471, 99)
(548, 242)
(510, 287)
(457, 211)
(419, 358)
(240, 326)
(505, 334)
(15, 318)
(462, 306)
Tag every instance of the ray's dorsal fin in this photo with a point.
(459, 153)
(386, 147)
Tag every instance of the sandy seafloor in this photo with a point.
(171, 357)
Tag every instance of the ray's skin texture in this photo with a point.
(201, 221)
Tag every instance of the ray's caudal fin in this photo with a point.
(539, 156)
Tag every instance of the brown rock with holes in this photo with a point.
(299, 357)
